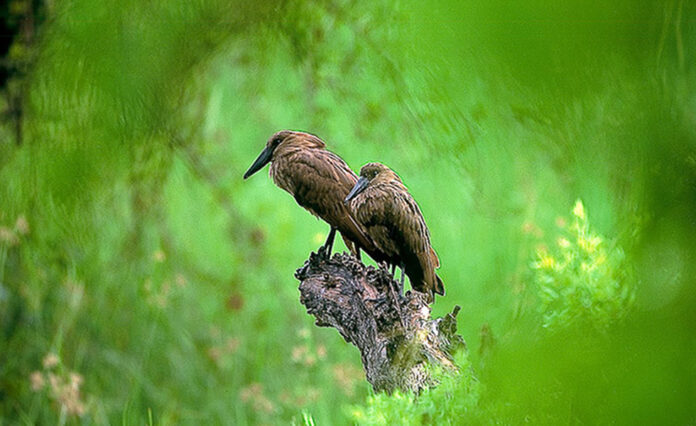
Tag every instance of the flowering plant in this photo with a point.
(584, 278)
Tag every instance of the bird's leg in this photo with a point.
(328, 245)
(330, 239)
(395, 296)
(393, 267)
(357, 252)
(403, 273)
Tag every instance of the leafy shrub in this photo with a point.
(454, 398)
(584, 279)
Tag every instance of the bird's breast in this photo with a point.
(280, 177)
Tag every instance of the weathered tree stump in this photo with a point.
(395, 342)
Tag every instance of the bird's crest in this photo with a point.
(290, 140)
(378, 172)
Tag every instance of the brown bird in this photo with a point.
(318, 179)
(384, 207)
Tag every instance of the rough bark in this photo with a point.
(395, 334)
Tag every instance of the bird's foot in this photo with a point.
(384, 266)
(395, 295)
(324, 252)
(302, 271)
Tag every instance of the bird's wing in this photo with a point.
(416, 238)
(370, 210)
(407, 215)
(321, 181)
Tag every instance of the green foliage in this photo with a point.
(453, 401)
(583, 279)
(132, 250)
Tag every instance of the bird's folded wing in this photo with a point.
(322, 180)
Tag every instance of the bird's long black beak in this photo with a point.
(261, 161)
(360, 185)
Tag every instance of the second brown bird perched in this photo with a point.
(387, 211)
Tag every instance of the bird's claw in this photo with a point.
(324, 252)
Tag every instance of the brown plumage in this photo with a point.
(384, 207)
(318, 179)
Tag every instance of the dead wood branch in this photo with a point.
(357, 300)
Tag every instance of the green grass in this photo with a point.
(165, 281)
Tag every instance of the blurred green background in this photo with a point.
(550, 145)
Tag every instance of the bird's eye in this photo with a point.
(276, 141)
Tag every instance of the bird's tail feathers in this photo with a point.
(435, 259)
(439, 286)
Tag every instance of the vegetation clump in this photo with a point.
(583, 278)
(454, 399)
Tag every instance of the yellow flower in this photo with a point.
(589, 244)
(579, 210)
(357, 414)
(546, 262)
(564, 243)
